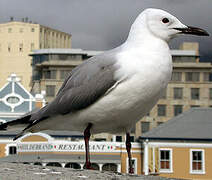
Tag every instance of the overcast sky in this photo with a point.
(104, 24)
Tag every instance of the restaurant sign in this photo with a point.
(67, 147)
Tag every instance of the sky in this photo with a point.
(104, 24)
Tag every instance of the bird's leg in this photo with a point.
(87, 135)
(128, 147)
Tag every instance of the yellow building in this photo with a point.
(181, 147)
(18, 39)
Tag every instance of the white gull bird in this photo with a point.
(110, 92)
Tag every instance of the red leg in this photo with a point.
(128, 147)
(87, 135)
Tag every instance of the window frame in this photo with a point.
(210, 94)
(178, 93)
(193, 94)
(191, 76)
(175, 108)
(161, 110)
(143, 122)
(170, 170)
(52, 92)
(203, 162)
(176, 76)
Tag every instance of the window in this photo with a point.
(21, 47)
(12, 150)
(176, 76)
(32, 29)
(145, 126)
(178, 93)
(210, 93)
(50, 90)
(192, 76)
(49, 74)
(206, 76)
(118, 138)
(13, 100)
(165, 160)
(197, 161)
(194, 93)
(178, 109)
(161, 110)
(21, 30)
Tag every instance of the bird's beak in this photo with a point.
(193, 31)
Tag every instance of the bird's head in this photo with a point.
(164, 25)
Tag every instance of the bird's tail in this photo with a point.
(21, 122)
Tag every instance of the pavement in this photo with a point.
(18, 171)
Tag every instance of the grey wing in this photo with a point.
(85, 85)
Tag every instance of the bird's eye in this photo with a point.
(165, 20)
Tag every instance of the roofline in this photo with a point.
(175, 139)
(35, 23)
(178, 52)
(68, 51)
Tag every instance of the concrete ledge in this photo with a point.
(11, 171)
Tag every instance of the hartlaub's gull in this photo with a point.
(110, 92)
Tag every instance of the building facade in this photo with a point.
(180, 148)
(18, 39)
(189, 87)
(15, 100)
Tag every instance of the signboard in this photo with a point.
(66, 147)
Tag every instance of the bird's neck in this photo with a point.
(144, 40)
(142, 37)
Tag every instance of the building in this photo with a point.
(15, 100)
(181, 147)
(18, 39)
(189, 87)
(42, 149)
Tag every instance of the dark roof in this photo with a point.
(195, 124)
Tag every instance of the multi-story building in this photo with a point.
(189, 87)
(18, 39)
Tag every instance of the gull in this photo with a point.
(112, 91)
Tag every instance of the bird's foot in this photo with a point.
(88, 166)
(131, 170)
